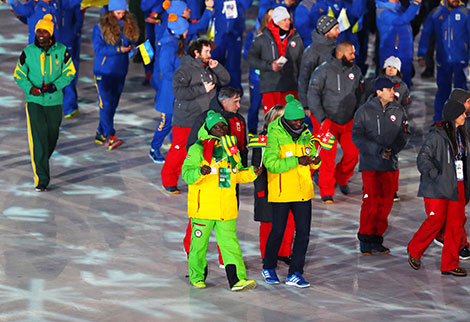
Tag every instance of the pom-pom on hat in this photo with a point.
(46, 24)
(326, 23)
(382, 83)
(213, 118)
(452, 110)
(177, 24)
(117, 5)
(280, 13)
(393, 61)
(166, 4)
(459, 95)
(293, 110)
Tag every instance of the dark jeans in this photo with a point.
(302, 212)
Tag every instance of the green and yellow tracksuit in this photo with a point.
(212, 207)
(37, 67)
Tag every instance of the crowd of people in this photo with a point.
(308, 72)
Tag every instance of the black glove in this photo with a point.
(49, 88)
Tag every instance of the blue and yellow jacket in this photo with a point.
(452, 31)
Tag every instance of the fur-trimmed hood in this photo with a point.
(111, 31)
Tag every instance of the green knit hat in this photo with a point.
(213, 118)
(293, 110)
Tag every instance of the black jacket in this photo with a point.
(376, 129)
(335, 91)
(436, 163)
(236, 126)
(263, 210)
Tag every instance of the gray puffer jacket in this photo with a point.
(191, 98)
(402, 93)
(264, 51)
(376, 129)
(436, 163)
(335, 91)
(315, 55)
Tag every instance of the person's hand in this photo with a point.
(35, 91)
(258, 170)
(316, 160)
(126, 49)
(213, 63)
(275, 66)
(209, 3)
(387, 154)
(205, 170)
(209, 86)
(305, 160)
(422, 62)
(419, 1)
(49, 88)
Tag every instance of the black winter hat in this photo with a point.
(459, 95)
(452, 110)
(326, 23)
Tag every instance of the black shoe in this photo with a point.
(366, 248)
(464, 254)
(459, 272)
(379, 248)
(438, 242)
(427, 74)
(172, 190)
(396, 197)
(327, 199)
(285, 259)
(41, 188)
(415, 263)
(345, 189)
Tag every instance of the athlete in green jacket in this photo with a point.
(43, 70)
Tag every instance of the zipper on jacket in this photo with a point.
(451, 33)
(198, 200)
(378, 125)
(397, 41)
(448, 155)
(339, 82)
(103, 60)
(280, 184)
(272, 49)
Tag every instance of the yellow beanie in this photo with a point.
(46, 24)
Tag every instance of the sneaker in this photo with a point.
(366, 248)
(297, 279)
(156, 156)
(199, 284)
(73, 114)
(101, 139)
(222, 266)
(464, 253)
(327, 199)
(379, 248)
(396, 197)
(41, 188)
(172, 190)
(345, 189)
(285, 259)
(244, 285)
(438, 242)
(114, 142)
(270, 276)
(459, 272)
(415, 263)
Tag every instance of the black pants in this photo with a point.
(302, 212)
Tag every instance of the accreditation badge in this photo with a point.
(224, 177)
(459, 169)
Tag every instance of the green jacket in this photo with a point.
(38, 67)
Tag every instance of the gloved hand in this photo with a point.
(35, 91)
(49, 88)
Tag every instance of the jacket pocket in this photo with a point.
(198, 200)
(280, 184)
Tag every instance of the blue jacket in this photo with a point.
(393, 22)
(253, 76)
(305, 19)
(234, 26)
(268, 4)
(109, 60)
(452, 30)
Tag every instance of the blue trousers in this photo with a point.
(109, 91)
(444, 85)
(302, 211)
(70, 92)
(229, 53)
(255, 103)
(162, 130)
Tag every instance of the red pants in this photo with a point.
(440, 212)
(187, 242)
(463, 238)
(273, 98)
(171, 170)
(316, 126)
(329, 175)
(286, 246)
(377, 201)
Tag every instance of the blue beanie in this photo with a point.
(382, 83)
(117, 5)
(177, 24)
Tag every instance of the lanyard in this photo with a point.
(460, 146)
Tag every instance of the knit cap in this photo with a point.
(459, 95)
(382, 83)
(393, 61)
(326, 23)
(46, 24)
(117, 5)
(213, 118)
(452, 110)
(177, 24)
(293, 110)
(280, 13)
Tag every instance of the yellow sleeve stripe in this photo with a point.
(70, 68)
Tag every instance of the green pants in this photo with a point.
(226, 235)
(43, 132)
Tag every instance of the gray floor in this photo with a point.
(105, 243)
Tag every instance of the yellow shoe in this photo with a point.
(199, 284)
(73, 114)
(244, 285)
